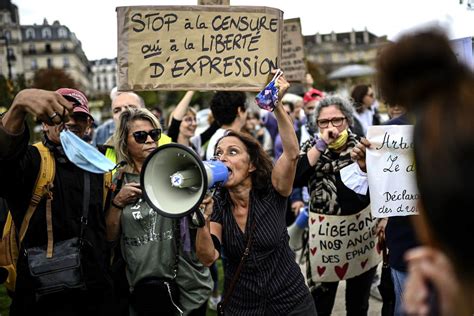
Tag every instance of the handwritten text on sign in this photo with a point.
(391, 171)
(292, 62)
(342, 247)
(199, 47)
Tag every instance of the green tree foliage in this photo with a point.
(53, 79)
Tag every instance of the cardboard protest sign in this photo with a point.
(292, 59)
(197, 47)
(391, 171)
(342, 247)
(214, 2)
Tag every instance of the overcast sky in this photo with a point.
(95, 25)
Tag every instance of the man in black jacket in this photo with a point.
(19, 167)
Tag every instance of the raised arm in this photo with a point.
(41, 104)
(182, 107)
(284, 170)
(178, 114)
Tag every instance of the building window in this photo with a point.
(30, 33)
(8, 35)
(66, 62)
(49, 63)
(32, 49)
(62, 32)
(46, 32)
(64, 47)
(47, 48)
(34, 64)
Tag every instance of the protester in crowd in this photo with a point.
(398, 232)
(308, 127)
(103, 134)
(229, 109)
(293, 105)
(155, 248)
(122, 102)
(158, 113)
(105, 130)
(255, 128)
(20, 164)
(365, 113)
(319, 165)
(248, 219)
(183, 126)
(421, 71)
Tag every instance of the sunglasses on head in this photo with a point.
(141, 136)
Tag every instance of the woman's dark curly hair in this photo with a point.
(261, 177)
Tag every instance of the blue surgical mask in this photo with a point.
(84, 155)
(267, 99)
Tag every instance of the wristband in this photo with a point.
(321, 145)
(116, 205)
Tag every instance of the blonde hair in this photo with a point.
(123, 129)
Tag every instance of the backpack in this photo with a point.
(9, 245)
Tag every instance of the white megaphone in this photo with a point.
(175, 180)
(296, 230)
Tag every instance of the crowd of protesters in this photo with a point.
(135, 261)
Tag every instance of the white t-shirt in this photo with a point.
(212, 143)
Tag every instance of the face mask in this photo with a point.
(83, 155)
(267, 99)
(340, 140)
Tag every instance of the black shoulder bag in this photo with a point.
(225, 301)
(57, 267)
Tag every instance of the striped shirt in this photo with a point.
(270, 281)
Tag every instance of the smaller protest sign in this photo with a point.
(292, 59)
(342, 247)
(391, 171)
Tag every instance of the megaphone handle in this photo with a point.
(198, 215)
(198, 218)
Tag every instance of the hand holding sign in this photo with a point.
(358, 153)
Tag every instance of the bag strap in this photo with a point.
(42, 185)
(239, 268)
(85, 205)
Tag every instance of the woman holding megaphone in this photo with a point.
(162, 270)
(246, 218)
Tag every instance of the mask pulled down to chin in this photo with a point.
(84, 155)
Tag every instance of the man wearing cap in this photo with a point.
(310, 100)
(19, 168)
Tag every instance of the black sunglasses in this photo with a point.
(141, 136)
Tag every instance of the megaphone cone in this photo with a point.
(175, 180)
(296, 230)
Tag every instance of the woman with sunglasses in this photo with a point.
(365, 113)
(163, 273)
(319, 167)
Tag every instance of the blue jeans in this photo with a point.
(399, 279)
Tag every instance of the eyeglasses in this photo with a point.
(336, 122)
(141, 136)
